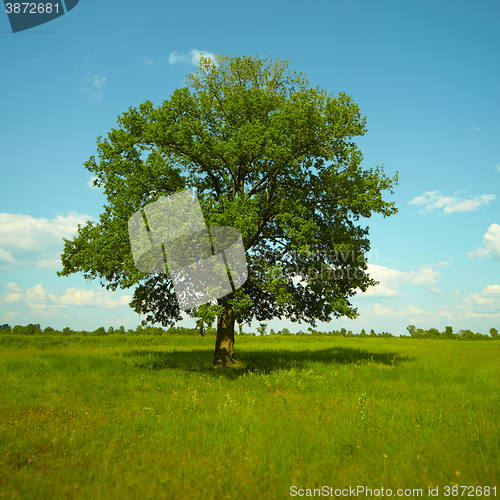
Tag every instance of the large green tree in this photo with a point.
(267, 154)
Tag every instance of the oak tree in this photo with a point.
(267, 154)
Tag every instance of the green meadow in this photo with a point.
(148, 417)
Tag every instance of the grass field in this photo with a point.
(138, 417)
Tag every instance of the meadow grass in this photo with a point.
(137, 417)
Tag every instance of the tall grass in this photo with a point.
(149, 418)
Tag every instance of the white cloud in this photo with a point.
(13, 294)
(412, 310)
(441, 264)
(377, 312)
(35, 243)
(6, 256)
(425, 276)
(433, 200)
(480, 253)
(192, 58)
(475, 128)
(491, 242)
(90, 183)
(484, 304)
(81, 297)
(26, 232)
(390, 280)
(14, 287)
(93, 85)
(46, 314)
(497, 167)
(54, 263)
(148, 61)
(38, 299)
(10, 315)
(36, 294)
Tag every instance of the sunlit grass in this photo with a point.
(131, 417)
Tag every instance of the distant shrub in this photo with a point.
(448, 333)
(180, 330)
(336, 333)
(417, 333)
(480, 336)
(150, 330)
(30, 329)
(432, 333)
(466, 334)
(262, 329)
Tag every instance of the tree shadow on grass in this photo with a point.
(262, 361)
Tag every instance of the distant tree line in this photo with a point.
(35, 329)
(434, 333)
(415, 333)
(262, 329)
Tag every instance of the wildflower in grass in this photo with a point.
(361, 401)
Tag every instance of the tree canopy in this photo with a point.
(267, 154)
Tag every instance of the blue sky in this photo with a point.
(426, 75)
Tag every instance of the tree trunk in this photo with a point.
(224, 345)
